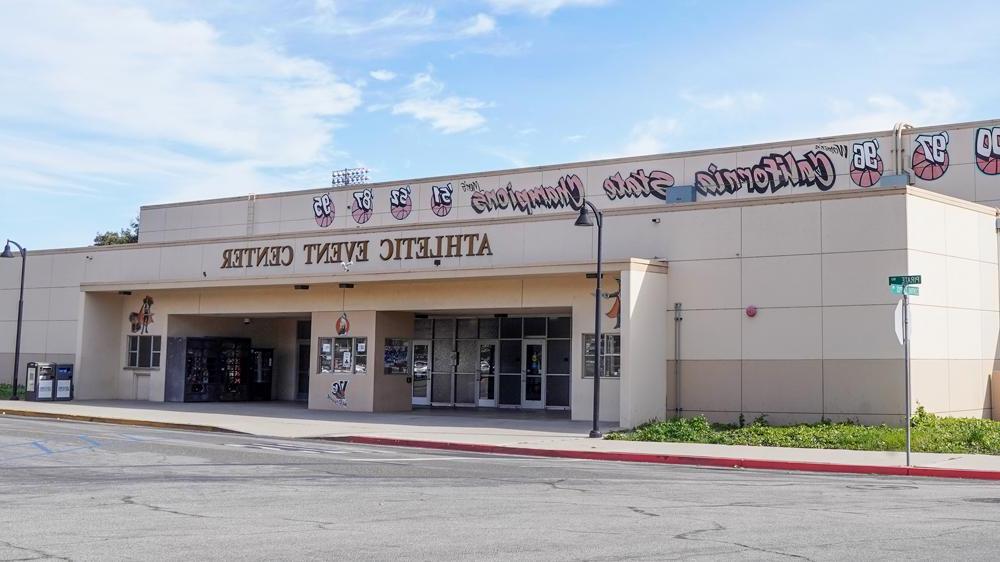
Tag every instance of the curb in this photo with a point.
(716, 462)
(119, 421)
(683, 460)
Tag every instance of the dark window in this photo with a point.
(510, 328)
(303, 329)
(534, 327)
(489, 328)
(611, 354)
(560, 327)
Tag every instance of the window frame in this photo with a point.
(134, 356)
(357, 347)
(609, 358)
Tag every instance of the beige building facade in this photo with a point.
(740, 281)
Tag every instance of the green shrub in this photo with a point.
(929, 433)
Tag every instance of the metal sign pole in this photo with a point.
(906, 368)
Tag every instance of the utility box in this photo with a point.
(63, 383)
(41, 381)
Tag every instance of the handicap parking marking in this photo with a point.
(86, 439)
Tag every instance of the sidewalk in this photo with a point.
(503, 432)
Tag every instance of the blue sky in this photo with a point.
(107, 105)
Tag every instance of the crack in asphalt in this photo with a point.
(42, 555)
(716, 526)
(130, 500)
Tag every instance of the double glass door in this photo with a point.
(508, 374)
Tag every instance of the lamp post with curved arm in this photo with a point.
(585, 220)
(20, 307)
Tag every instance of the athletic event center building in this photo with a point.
(742, 280)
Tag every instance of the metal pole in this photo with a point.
(20, 313)
(598, 363)
(906, 366)
(677, 359)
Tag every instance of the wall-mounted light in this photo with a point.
(125, 293)
(301, 287)
(347, 285)
(655, 220)
(437, 262)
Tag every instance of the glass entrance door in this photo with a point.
(534, 374)
(421, 371)
(487, 373)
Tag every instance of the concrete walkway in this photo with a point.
(511, 432)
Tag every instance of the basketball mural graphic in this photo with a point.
(930, 156)
(866, 165)
(988, 150)
(324, 210)
(400, 202)
(364, 202)
(441, 197)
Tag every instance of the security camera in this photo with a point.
(246, 321)
(347, 265)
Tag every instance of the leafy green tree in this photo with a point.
(127, 235)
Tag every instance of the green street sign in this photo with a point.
(910, 290)
(904, 280)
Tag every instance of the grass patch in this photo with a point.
(930, 434)
(5, 393)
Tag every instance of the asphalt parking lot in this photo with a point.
(80, 491)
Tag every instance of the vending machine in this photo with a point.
(41, 379)
(262, 363)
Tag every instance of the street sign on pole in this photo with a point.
(896, 289)
(904, 280)
(911, 290)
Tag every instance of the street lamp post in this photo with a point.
(584, 220)
(20, 307)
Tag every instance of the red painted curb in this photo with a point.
(720, 462)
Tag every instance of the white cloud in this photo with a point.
(574, 138)
(449, 114)
(742, 101)
(327, 17)
(382, 75)
(649, 137)
(540, 8)
(880, 112)
(124, 99)
(480, 24)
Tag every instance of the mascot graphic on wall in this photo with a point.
(616, 308)
(338, 393)
(343, 325)
(143, 318)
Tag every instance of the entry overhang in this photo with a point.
(547, 270)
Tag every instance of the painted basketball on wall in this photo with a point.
(866, 164)
(988, 150)
(364, 203)
(441, 199)
(930, 156)
(400, 202)
(324, 210)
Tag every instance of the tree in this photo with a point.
(128, 235)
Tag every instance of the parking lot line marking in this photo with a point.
(41, 447)
(86, 439)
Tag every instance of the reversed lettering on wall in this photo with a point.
(638, 185)
(568, 192)
(357, 251)
(866, 163)
(930, 155)
(988, 150)
(771, 173)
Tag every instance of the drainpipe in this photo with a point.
(677, 359)
(898, 151)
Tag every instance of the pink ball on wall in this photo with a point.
(751, 311)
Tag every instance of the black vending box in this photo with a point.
(63, 382)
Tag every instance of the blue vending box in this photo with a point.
(64, 382)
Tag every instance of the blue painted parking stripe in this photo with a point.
(41, 447)
(86, 439)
